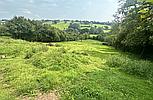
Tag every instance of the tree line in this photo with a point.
(32, 30)
(132, 29)
(76, 27)
(79, 21)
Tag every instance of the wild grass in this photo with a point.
(136, 67)
(78, 70)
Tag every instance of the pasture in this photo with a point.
(64, 25)
(75, 70)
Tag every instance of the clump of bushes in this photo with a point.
(139, 68)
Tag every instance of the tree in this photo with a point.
(20, 28)
(106, 27)
(74, 26)
(92, 30)
(134, 27)
(96, 30)
(85, 30)
(3, 30)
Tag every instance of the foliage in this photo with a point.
(134, 28)
(74, 26)
(26, 29)
(96, 30)
(20, 28)
(3, 30)
(139, 68)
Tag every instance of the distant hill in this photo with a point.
(64, 24)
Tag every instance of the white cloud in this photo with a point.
(26, 11)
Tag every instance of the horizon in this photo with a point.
(55, 19)
(87, 10)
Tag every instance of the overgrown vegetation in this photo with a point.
(133, 28)
(76, 70)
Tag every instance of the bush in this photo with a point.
(139, 68)
(113, 61)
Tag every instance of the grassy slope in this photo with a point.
(77, 70)
(63, 26)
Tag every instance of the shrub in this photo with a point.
(139, 68)
(114, 61)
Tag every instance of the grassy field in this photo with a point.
(62, 25)
(77, 70)
(93, 35)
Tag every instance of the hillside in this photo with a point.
(64, 25)
(76, 70)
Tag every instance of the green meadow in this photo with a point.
(79, 70)
(63, 26)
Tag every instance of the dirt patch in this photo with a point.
(43, 96)
(49, 96)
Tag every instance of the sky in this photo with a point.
(95, 10)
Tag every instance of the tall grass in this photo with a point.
(142, 68)
(77, 70)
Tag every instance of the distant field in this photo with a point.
(76, 70)
(93, 35)
(99, 25)
(62, 25)
(107, 31)
(93, 25)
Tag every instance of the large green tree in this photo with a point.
(20, 27)
(134, 26)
